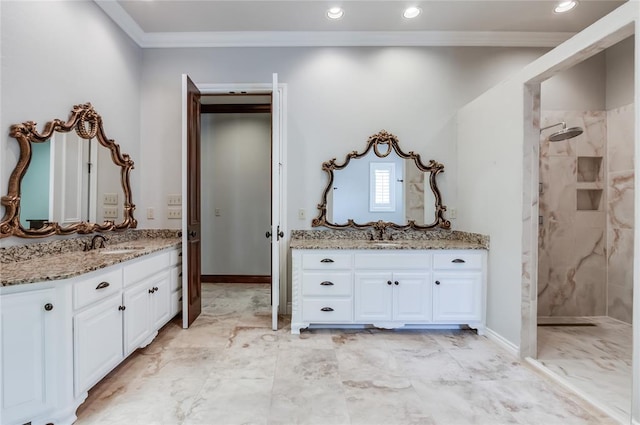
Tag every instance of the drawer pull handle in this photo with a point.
(48, 306)
(326, 260)
(437, 282)
(102, 285)
(326, 283)
(458, 260)
(121, 308)
(180, 254)
(388, 282)
(326, 309)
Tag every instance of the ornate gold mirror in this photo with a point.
(383, 187)
(69, 179)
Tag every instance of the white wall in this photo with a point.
(620, 74)
(236, 173)
(56, 54)
(337, 98)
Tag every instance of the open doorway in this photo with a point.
(236, 188)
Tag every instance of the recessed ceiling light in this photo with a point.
(411, 12)
(335, 13)
(565, 6)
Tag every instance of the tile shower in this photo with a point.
(585, 241)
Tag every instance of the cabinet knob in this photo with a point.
(155, 288)
(151, 291)
(102, 285)
(121, 308)
(389, 282)
(437, 282)
(396, 283)
(326, 283)
(48, 306)
(326, 309)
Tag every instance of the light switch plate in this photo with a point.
(174, 199)
(173, 213)
(110, 199)
(110, 212)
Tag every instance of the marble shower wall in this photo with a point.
(585, 241)
(572, 237)
(620, 198)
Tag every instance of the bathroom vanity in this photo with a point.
(388, 284)
(69, 319)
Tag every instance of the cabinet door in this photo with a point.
(97, 342)
(160, 300)
(412, 297)
(137, 326)
(30, 323)
(373, 292)
(457, 297)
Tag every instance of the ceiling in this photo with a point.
(204, 23)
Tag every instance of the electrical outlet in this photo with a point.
(302, 214)
(110, 199)
(174, 212)
(217, 212)
(453, 213)
(150, 213)
(174, 199)
(110, 212)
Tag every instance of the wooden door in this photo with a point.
(191, 285)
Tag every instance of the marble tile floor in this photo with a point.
(594, 359)
(231, 368)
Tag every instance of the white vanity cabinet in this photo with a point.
(388, 288)
(458, 290)
(29, 359)
(59, 338)
(97, 327)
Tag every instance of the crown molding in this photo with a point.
(327, 38)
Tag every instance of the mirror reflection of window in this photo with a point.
(382, 191)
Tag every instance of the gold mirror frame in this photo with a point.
(392, 145)
(87, 124)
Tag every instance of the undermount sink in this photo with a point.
(120, 250)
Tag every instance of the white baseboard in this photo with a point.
(504, 343)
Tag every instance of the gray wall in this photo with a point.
(56, 55)
(236, 172)
(620, 74)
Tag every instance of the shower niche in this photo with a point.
(589, 183)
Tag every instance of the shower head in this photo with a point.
(565, 133)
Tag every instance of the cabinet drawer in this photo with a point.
(176, 278)
(388, 261)
(146, 267)
(327, 310)
(176, 302)
(96, 287)
(326, 261)
(457, 260)
(176, 256)
(326, 284)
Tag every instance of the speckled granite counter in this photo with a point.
(64, 264)
(361, 239)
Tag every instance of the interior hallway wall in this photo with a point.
(236, 193)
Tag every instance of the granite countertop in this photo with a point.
(367, 239)
(70, 264)
(376, 244)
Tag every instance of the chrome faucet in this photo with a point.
(91, 246)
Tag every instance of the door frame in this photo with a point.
(262, 88)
